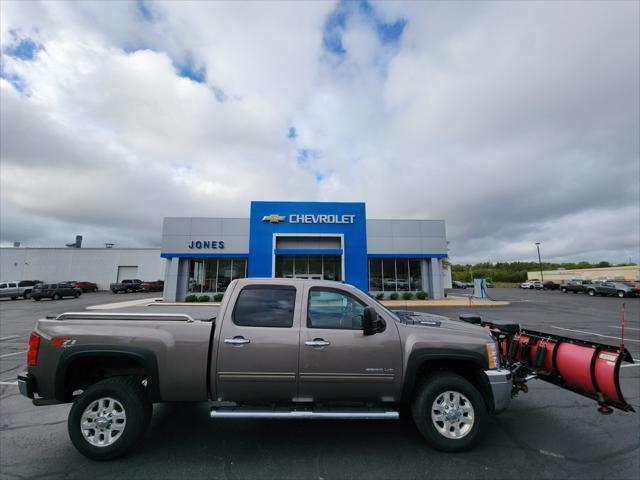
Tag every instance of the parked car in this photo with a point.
(54, 291)
(457, 284)
(611, 288)
(84, 286)
(549, 285)
(126, 286)
(9, 290)
(575, 286)
(531, 284)
(157, 286)
(25, 287)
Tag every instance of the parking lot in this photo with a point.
(547, 433)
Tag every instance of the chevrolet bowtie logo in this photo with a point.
(273, 218)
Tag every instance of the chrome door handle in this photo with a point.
(237, 340)
(318, 342)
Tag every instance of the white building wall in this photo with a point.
(98, 265)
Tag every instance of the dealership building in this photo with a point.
(314, 240)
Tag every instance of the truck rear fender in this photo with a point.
(467, 364)
(81, 366)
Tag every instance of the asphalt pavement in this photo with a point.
(547, 433)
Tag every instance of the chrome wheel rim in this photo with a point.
(452, 415)
(103, 422)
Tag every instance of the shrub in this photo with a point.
(407, 295)
(218, 297)
(204, 298)
(191, 298)
(393, 296)
(421, 295)
(379, 296)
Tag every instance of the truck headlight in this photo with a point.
(492, 355)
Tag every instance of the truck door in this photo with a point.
(337, 361)
(258, 345)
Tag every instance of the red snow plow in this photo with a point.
(588, 368)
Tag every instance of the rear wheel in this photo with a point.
(56, 296)
(27, 294)
(564, 290)
(76, 295)
(621, 294)
(37, 299)
(591, 293)
(109, 418)
(449, 411)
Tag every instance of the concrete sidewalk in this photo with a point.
(449, 301)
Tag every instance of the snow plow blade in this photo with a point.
(588, 368)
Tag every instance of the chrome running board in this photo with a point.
(306, 414)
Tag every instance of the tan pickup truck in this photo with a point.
(277, 348)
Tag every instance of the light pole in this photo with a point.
(540, 262)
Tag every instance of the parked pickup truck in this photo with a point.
(126, 286)
(575, 286)
(277, 348)
(610, 288)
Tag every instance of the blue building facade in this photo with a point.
(318, 240)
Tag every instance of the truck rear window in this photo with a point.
(265, 306)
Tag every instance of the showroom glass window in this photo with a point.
(213, 275)
(395, 275)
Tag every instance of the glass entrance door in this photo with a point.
(316, 267)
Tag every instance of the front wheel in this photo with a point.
(449, 412)
(109, 418)
(76, 295)
(621, 294)
(564, 290)
(591, 293)
(37, 299)
(56, 296)
(27, 295)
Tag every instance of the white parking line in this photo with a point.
(625, 327)
(9, 383)
(596, 334)
(12, 354)
(631, 364)
(10, 337)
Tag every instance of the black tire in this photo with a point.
(56, 296)
(427, 393)
(37, 299)
(76, 295)
(621, 294)
(131, 395)
(95, 290)
(591, 293)
(14, 298)
(27, 295)
(563, 290)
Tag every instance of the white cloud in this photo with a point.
(516, 122)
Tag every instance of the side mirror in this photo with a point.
(370, 323)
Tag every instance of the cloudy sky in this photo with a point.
(515, 122)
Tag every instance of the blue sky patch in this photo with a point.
(143, 10)
(12, 78)
(24, 49)
(189, 70)
(388, 33)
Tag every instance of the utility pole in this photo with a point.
(540, 262)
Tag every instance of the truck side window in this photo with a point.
(265, 306)
(329, 308)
